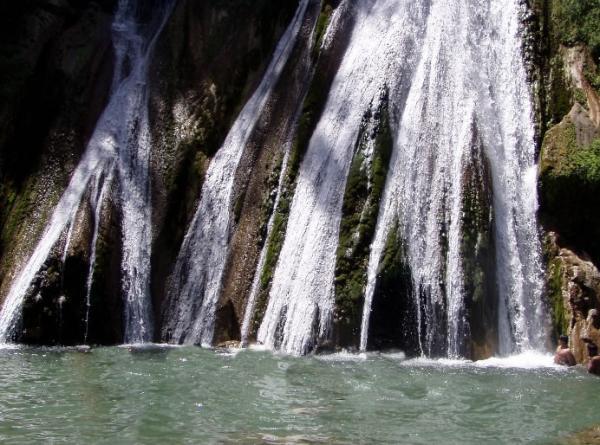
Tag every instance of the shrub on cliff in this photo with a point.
(578, 21)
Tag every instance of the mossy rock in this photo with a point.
(360, 209)
(570, 188)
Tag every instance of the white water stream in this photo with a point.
(381, 49)
(470, 76)
(452, 68)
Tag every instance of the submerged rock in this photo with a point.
(232, 344)
(589, 436)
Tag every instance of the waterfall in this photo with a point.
(455, 74)
(470, 83)
(382, 48)
(120, 145)
(195, 283)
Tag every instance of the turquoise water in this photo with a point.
(198, 396)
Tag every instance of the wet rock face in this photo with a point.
(393, 323)
(55, 71)
(364, 188)
(257, 179)
(480, 337)
(569, 180)
(575, 295)
(56, 55)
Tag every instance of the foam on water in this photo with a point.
(343, 356)
(527, 360)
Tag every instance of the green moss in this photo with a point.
(238, 207)
(275, 243)
(393, 255)
(393, 322)
(586, 163)
(364, 187)
(15, 213)
(477, 255)
(101, 270)
(321, 27)
(559, 100)
(579, 97)
(563, 23)
(270, 186)
(560, 143)
(563, 157)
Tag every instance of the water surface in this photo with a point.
(189, 395)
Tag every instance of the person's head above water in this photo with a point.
(563, 340)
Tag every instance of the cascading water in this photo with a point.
(382, 49)
(441, 99)
(455, 84)
(119, 147)
(470, 83)
(196, 280)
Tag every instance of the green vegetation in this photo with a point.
(564, 23)
(578, 21)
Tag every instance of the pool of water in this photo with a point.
(187, 395)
